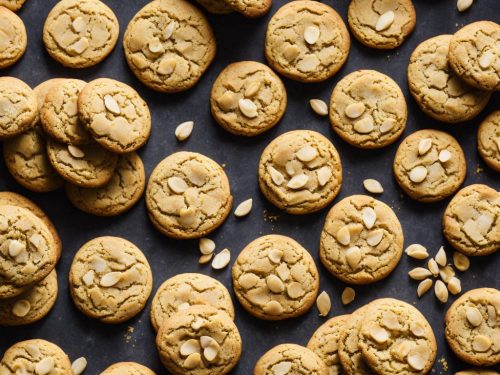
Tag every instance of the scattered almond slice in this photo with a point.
(311, 34)
(364, 126)
(481, 343)
(486, 59)
(474, 316)
(184, 130)
(433, 267)
(274, 284)
(276, 176)
(355, 110)
(418, 174)
(111, 105)
(221, 260)
(177, 184)
(243, 208)
(353, 256)
(441, 257)
(298, 181)
(205, 258)
(319, 107)
(441, 291)
(454, 285)
(348, 295)
(461, 261)
(324, 174)
(16, 247)
(416, 251)
(110, 279)
(373, 186)
(206, 245)
(192, 361)
(252, 89)
(444, 156)
(387, 125)
(424, 146)
(323, 303)
(344, 235)
(169, 30)
(417, 357)
(189, 347)
(45, 366)
(76, 152)
(374, 237)
(275, 255)
(369, 217)
(463, 5)
(307, 154)
(248, 108)
(21, 308)
(385, 21)
(419, 273)
(379, 334)
(423, 287)
(446, 273)
(78, 366)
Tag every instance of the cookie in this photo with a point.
(127, 368)
(395, 338)
(13, 37)
(28, 252)
(474, 54)
(324, 342)
(184, 290)
(116, 116)
(8, 198)
(35, 356)
(13, 5)
(247, 98)
(438, 92)
(188, 196)
(201, 340)
(80, 33)
(18, 107)
(32, 305)
(306, 41)
(300, 172)
(471, 222)
(429, 165)
(215, 6)
(477, 371)
(87, 165)
(488, 140)
(168, 45)
(362, 240)
(59, 113)
(290, 359)
(120, 194)
(110, 279)
(368, 109)
(472, 327)
(381, 24)
(275, 278)
(250, 8)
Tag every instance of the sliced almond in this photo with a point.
(275, 255)
(433, 267)
(290, 168)
(461, 261)
(291, 52)
(308, 63)
(348, 295)
(79, 24)
(379, 334)
(16, 247)
(364, 126)
(446, 273)
(155, 46)
(78, 366)
(210, 353)
(390, 321)
(492, 315)
(324, 175)
(111, 105)
(21, 308)
(183, 306)
(206, 245)
(248, 108)
(244, 208)
(417, 329)
(454, 285)
(369, 217)
(353, 256)
(205, 258)
(441, 291)
(88, 278)
(319, 107)
(192, 361)
(99, 264)
(169, 30)
(110, 279)
(419, 273)
(418, 174)
(344, 235)
(227, 101)
(474, 316)
(481, 343)
(307, 154)
(355, 110)
(323, 303)
(275, 284)
(311, 34)
(76, 152)
(276, 176)
(283, 271)
(184, 130)
(166, 66)
(273, 308)
(298, 181)
(197, 323)
(177, 184)
(486, 59)
(189, 347)
(424, 146)
(416, 251)
(45, 366)
(374, 237)
(385, 21)
(80, 45)
(463, 5)
(252, 89)
(295, 290)
(441, 257)
(417, 357)
(387, 125)
(282, 368)
(423, 287)
(373, 186)
(444, 156)
(221, 260)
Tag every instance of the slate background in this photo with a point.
(239, 39)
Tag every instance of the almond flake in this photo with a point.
(311, 34)
(243, 208)
(79, 365)
(324, 174)
(45, 366)
(16, 247)
(374, 237)
(444, 156)
(205, 258)
(441, 291)
(319, 107)
(424, 146)
(474, 316)
(76, 152)
(221, 260)
(441, 257)
(111, 105)
(21, 308)
(344, 235)
(369, 217)
(348, 295)
(355, 110)
(307, 154)
(423, 287)
(110, 279)
(454, 285)
(373, 186)
(177, 184)
(184, 130)
(486, 59)
(416, 251)
(364, 126)
(385, 21)
(206, 245)
(189, 347)
(419, 273)
(248, 108)
(353, 256)
(463, 5)
(418, 174)
(461, 261)
(323, 303)
(276, 176)
(298, 181)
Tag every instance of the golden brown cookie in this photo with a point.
(13, 38)
(306, 41)
(300, 172)
(488, 140)
(429, 165)
(250, 8)
(215, 6)
(477, 371)
(127, 368)
(368, 109)
(13, 5)
(290, 359)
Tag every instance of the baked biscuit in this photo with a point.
(250, 8)
(290, 359)
(127, 368)
(13, 37)
(488, 140)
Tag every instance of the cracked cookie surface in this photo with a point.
(13, 37)
(13, 5)
(324, 342)
(368, 109)
(248, 98)
(290, 359)
(168, 45)
(184, 290)
(471, 222)
(32, 305)
(115, 114)
(110, 279)
(275, 278)
(300, 172)
(488, 140)
(395, 338)
(34, 357)
(472, 327)
(474, 54)
(250, 8)
(306, 41)
(438, 92)
(18, 107)
(188, 195)
(201, 340)
(127, 368)
(361, 241)
(121, 193)
(429, 165)
(80, 33)
(364, 15)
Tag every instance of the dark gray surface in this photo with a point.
(242, 39)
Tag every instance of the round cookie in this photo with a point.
(59, 113)
(13, 5)
(324, 342)
(369, 28)
(395, 338)
(438, 92)
(13, 38)
(477, 371)
(93, 166)
(168, 45)
(35, 356)
(290, 359)
(32, 305)
(18, 107)
(116, 116)
(471, 222)
(215, 6)
(110, 279)
(488, 140)
(80, 33)
(472, 327)
(8, 198)
(188, 196)
(275, 278)
(300, 172)
(248, 98)
(184, 290)
(306, 41)
(120, 194)
(28, 252)
(474, 54)
(250, 8)
(368, 109)
(361, 241)
(429, 165)
(127, 368)
(201, 340)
